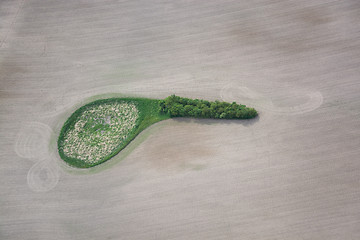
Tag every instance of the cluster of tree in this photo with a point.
(184, 107)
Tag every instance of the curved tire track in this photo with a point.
(32, 140)
(32, 143)
(242, 94)
(43, 176)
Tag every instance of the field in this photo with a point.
(291, 173)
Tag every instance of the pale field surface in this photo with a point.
(293, 173)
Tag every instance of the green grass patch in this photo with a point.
(93, 127)
(97, 131)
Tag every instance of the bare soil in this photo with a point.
(292, 173)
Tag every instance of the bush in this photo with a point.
(184, 107)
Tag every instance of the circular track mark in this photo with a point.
(43, 176)
(242, 94)
(32, 140)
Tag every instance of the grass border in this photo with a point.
(148, 115)
(150, 112)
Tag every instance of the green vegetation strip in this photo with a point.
(185, 107)
(99, 130)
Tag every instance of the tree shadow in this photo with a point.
(211, 121)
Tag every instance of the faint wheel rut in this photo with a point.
(32, 140)
(32, 143)
(252, 98)
(43, 176)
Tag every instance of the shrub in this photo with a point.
(184, 107)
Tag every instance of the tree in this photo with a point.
(188, 109)
(185, 107)
(205, 112)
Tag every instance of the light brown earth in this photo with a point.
(293, 173)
